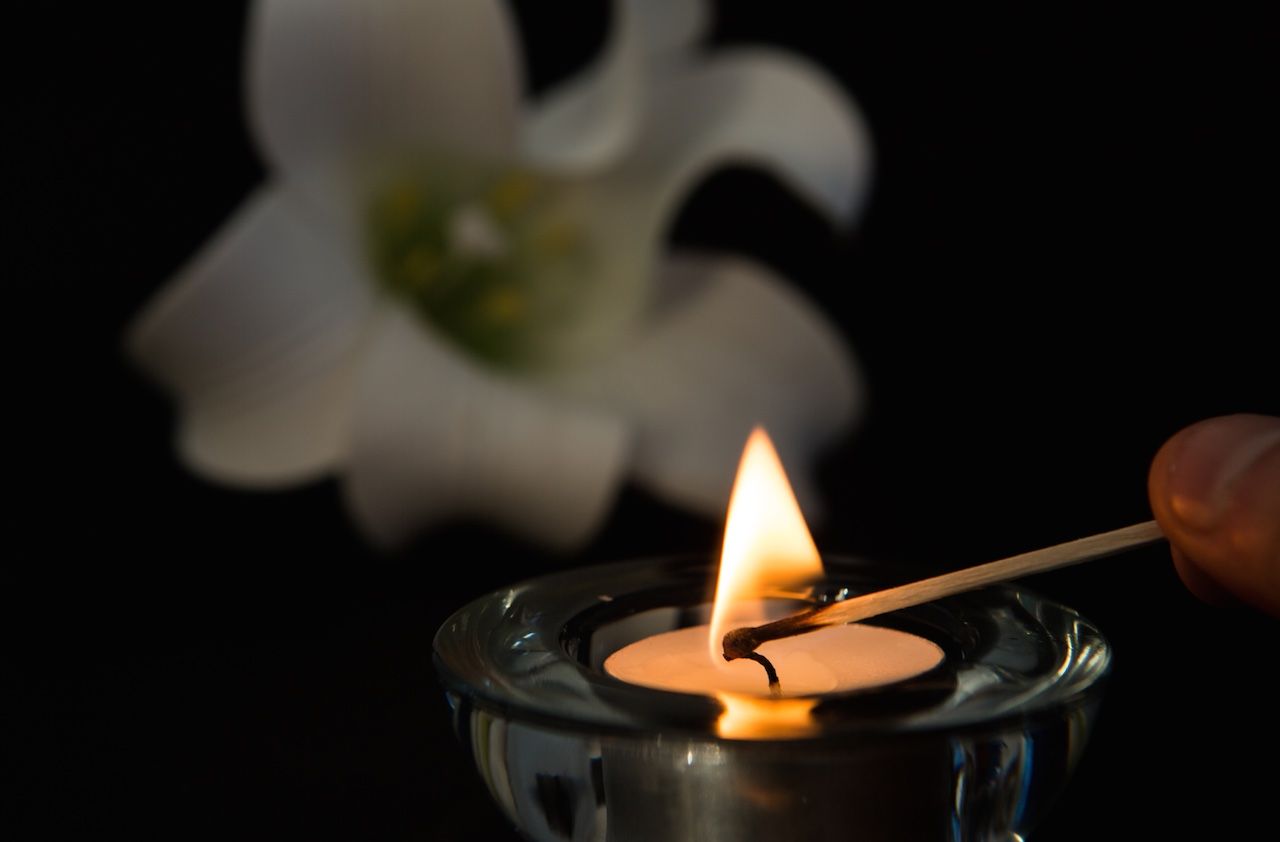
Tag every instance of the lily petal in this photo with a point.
(257, 337)
(336, 85)
(733, 346)
(756, 107)
(435, 437)
(589, 122)
(671, 24)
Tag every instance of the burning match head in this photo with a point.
(739, 643)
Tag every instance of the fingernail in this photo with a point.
(1210, 458)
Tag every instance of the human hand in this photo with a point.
(1215, 490)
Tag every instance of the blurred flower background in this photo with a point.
(458, 300)
(1056, 266)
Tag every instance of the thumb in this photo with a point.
(1215, 490)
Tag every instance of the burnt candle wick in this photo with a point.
(743, 642)
(775, 686)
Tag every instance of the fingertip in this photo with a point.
(1215, 490)
(1197, 471)
(1199, 582)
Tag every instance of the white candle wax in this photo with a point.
(836, 659)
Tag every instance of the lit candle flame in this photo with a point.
(767, 545)
(767, 548)
(768, 551)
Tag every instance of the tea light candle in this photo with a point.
(836, 659)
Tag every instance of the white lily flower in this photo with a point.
(462, 307)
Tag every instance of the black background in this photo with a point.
(1062, 264)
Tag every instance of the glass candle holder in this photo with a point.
(974, 749)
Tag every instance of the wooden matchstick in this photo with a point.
(741, 643)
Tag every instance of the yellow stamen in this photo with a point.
(511, 194)
(502, 306)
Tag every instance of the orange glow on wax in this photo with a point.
(753, 718)
(767, 545)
